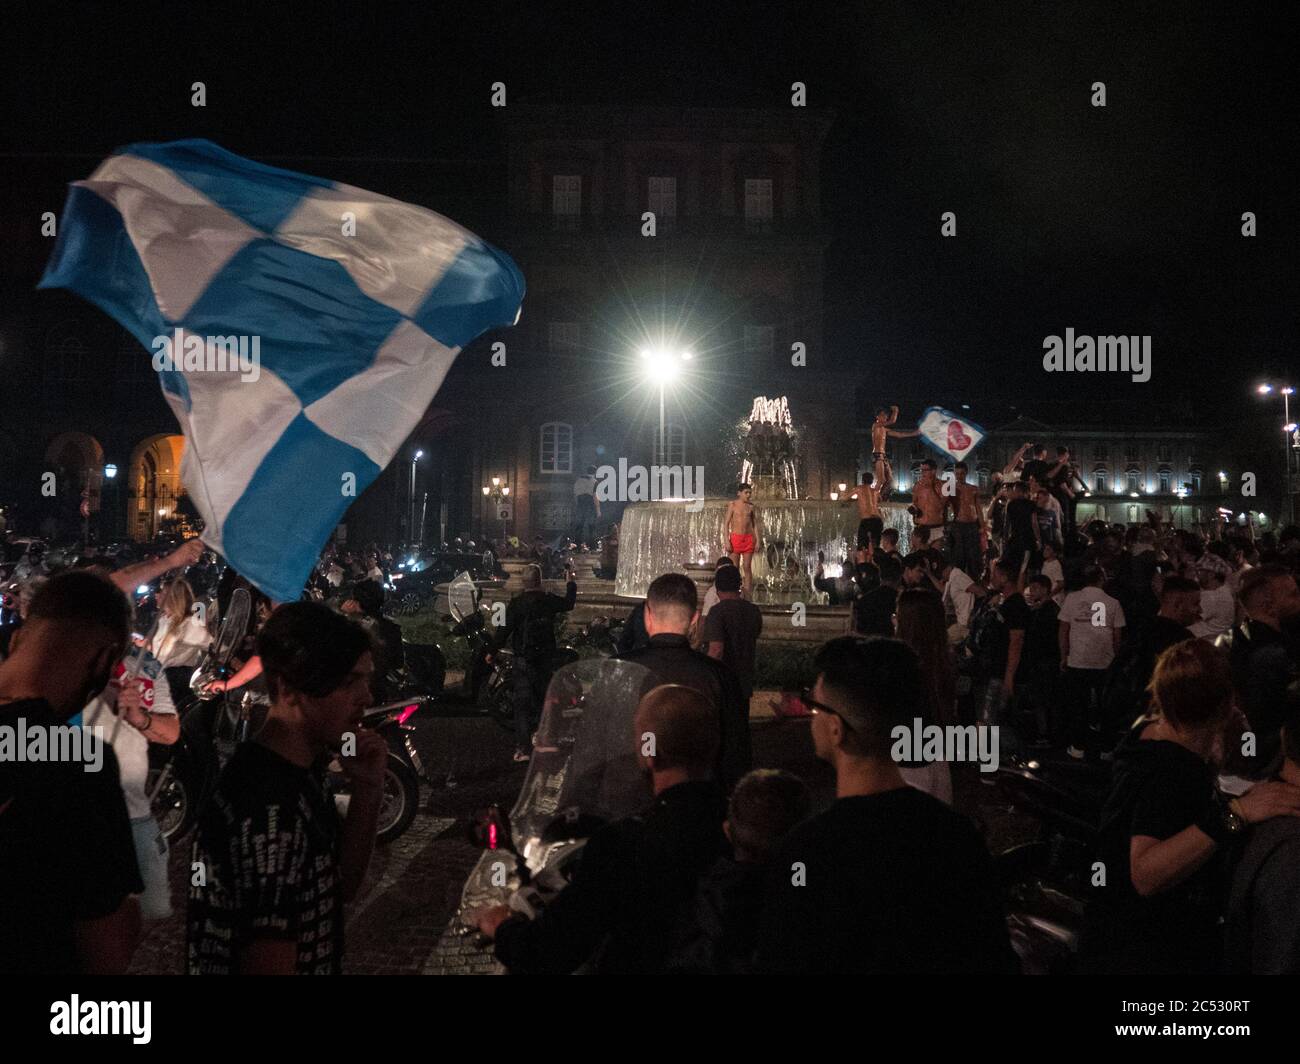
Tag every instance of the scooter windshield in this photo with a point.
(585, 753)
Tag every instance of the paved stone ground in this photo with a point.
(400, 924)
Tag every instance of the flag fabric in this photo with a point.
(300, 328)
(949, 434)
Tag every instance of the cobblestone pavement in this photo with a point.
(400, 924)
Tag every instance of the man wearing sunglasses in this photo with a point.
(888, 879)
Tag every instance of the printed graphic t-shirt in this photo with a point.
(269, 848)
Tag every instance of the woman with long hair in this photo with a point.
(923, 626)
(180, 638)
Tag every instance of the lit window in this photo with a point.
(557, 447)
(1134, 477)
(1166, 482)
(1099, 477)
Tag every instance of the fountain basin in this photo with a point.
(663, 537)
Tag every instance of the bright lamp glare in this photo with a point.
(1264, 389)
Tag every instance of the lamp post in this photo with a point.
(1288, 428)
(110, 475)
(498, 491)
(410, 526)
(663, 366)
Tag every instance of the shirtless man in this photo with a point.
(971, 530)
(742, 534)
(880, 433)
(870, 522)
(928, 506)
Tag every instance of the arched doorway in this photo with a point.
(154, 486)
(77, 461)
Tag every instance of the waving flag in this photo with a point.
(300, 328)
(949, 434)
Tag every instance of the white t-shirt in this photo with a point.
(710, 600)
(956, 593)
(1092, 616)
(1053, 571)
(130, 746)
(1218, 612)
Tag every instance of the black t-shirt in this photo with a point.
(66, 851)
(1012, 614)
(873, 612)
(1036, 468)
(1021, 515)
(893, 883)
(736, 624)
(1159, 788)
(1042, 637)
(269, 843)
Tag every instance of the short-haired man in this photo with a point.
(68, 871)
(1091, 625)
(870, 523)
(530, 632)
(888, 880)
(970, 526)
(928, 506)
(732, 629)
(670, 612)
(1263, 925)
(638, 875)
(1264, 662)
(743, 532)
(277, 865)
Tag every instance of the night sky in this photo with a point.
(1123, 219)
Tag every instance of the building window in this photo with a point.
(758, 204)
(1099, 478)
(1166, 482)
(566, 200)
(675, 445)
(1133, 477)
(565, 335)
(1164, 452)
(1132, 514)
(1101, 452)
(662, 201)
(983, 474)
(760, 342)
(1195, 478)
(1131, 451)
(557, 447)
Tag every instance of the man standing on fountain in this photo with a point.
(870, 523)
(880, 433)
(742, 534)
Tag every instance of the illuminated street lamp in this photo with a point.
(410, 527)
(1288, 427)
(662, 367)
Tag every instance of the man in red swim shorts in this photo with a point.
(742, 534)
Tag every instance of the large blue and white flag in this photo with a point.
(300, 328)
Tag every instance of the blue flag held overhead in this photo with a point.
(300, 328)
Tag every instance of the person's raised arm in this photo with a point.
(133, 576)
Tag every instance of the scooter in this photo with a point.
(1047, 879)
(584, 774)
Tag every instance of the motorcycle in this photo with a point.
(1047, 880)
(584, 774)
(183, 776)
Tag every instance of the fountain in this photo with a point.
(665, 537)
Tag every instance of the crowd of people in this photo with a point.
(1166, 658)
